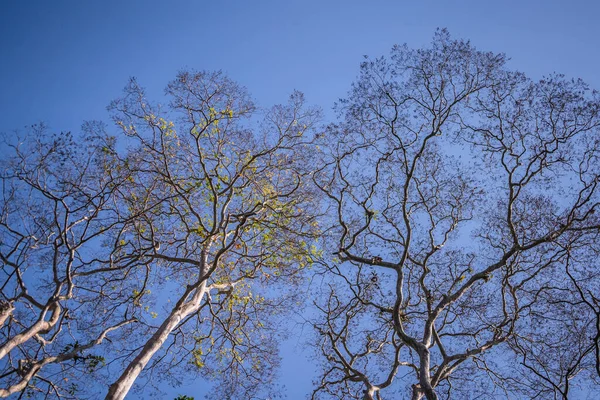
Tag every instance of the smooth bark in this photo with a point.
(119, 389)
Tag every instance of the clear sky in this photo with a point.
(63, 61)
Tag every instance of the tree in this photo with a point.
(204, 211)
(450, 214)
(55, 207)
(222, 209)
(463, 203)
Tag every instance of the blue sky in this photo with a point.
(62, 62)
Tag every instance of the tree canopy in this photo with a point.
(444, 229)
(462, 198)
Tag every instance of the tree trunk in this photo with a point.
(119, 389)
(6, 310)
(424, 378)
(41, 326)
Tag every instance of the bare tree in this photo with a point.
(463, 201)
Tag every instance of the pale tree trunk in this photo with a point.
(424, 378)
(41, 326)
(370, 393)
(35, 366)
(6, 309)
(22, 384)
(423, 389)
(119, 389)
(417, 394)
